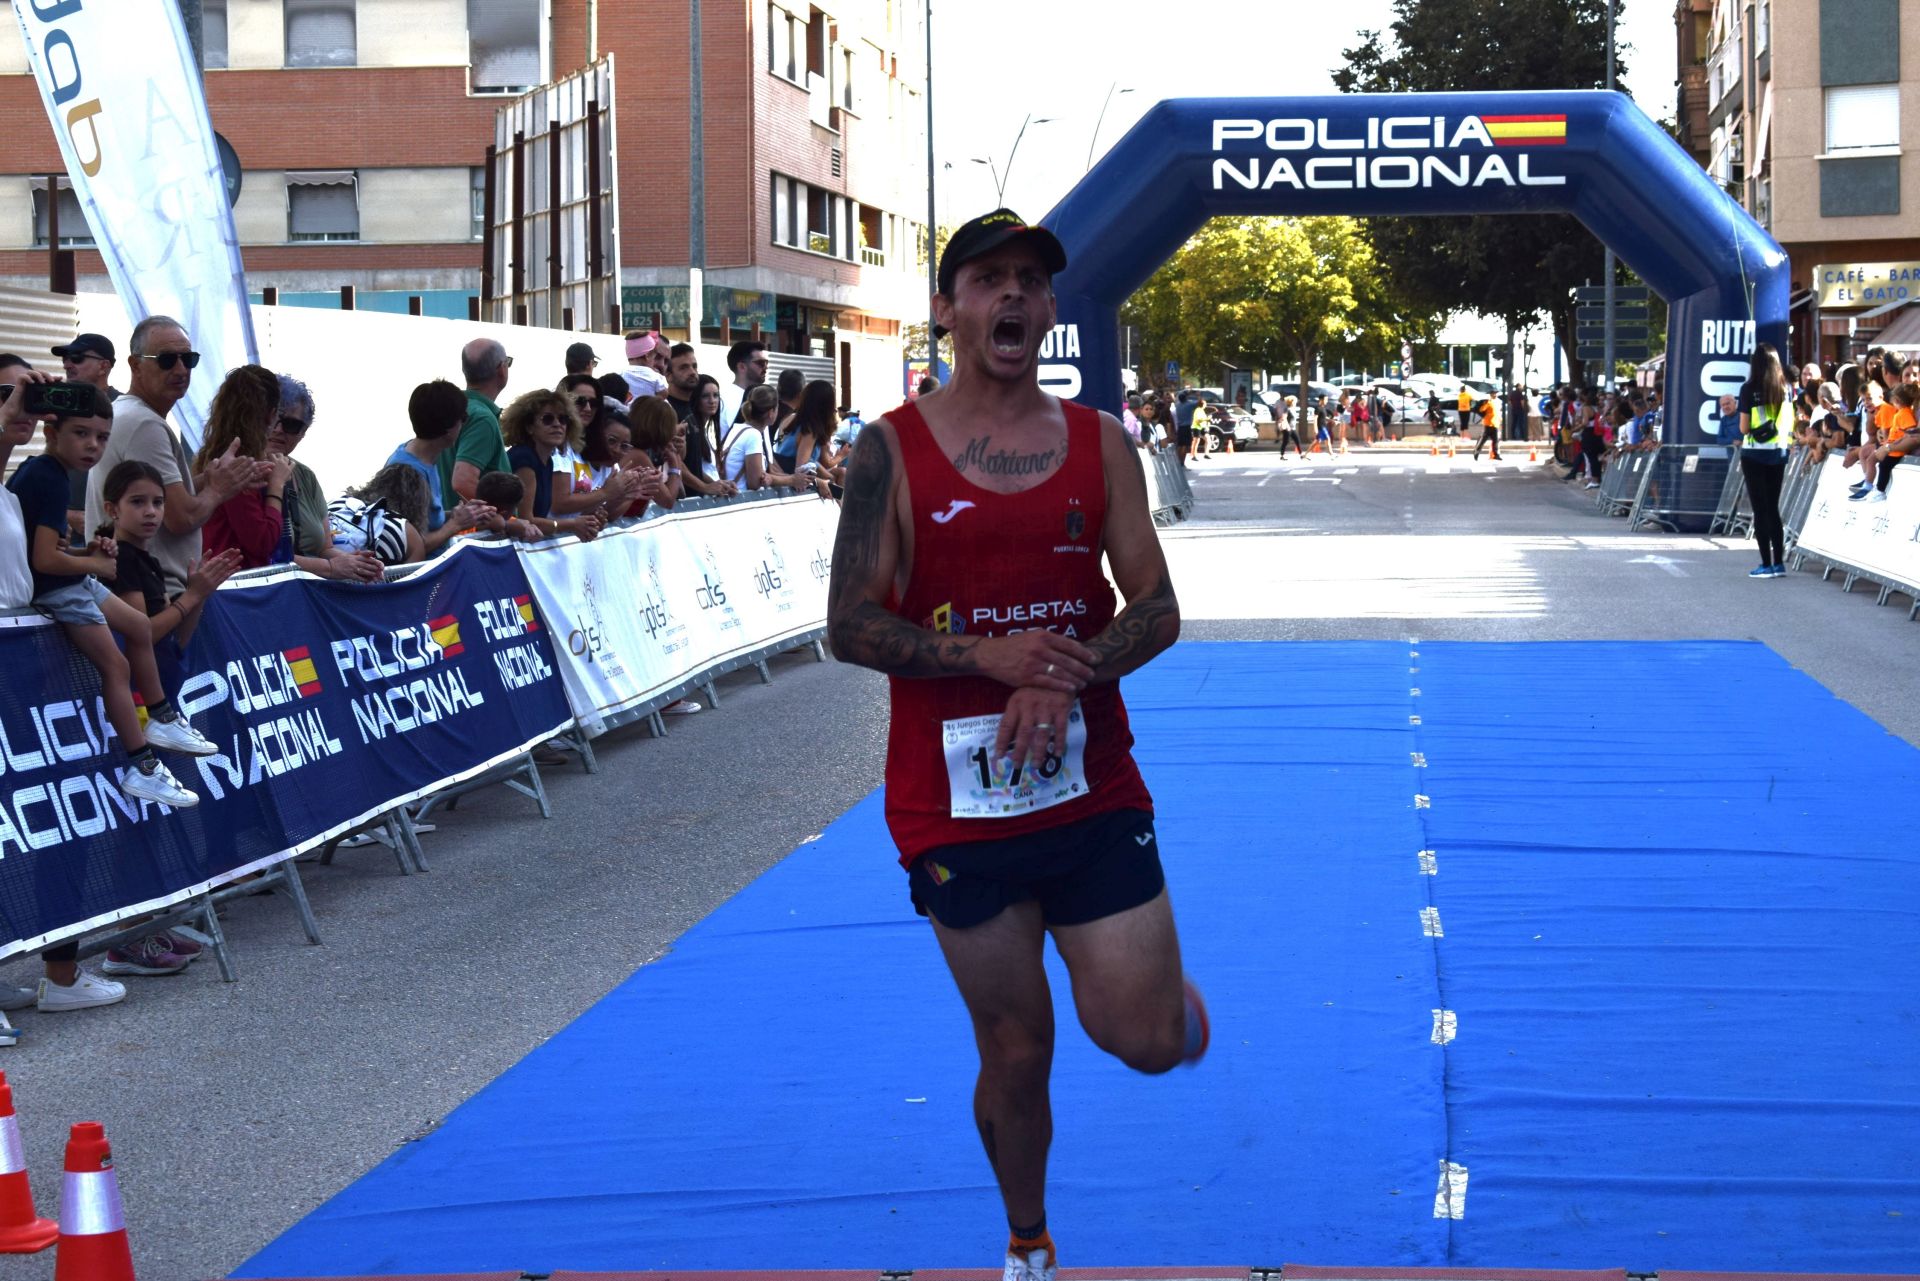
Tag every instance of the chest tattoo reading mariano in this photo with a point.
(980, 456)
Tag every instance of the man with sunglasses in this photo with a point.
(163, 361)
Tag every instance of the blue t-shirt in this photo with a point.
(524, 456)
(41, 485)
(436, 505)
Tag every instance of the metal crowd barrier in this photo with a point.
(1682, 488)
(1796, 497)
(1168, 494)
(1620, 482)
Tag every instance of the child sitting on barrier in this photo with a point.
(67, 588)
(500, 491)
(1900, 443)
(135, 498)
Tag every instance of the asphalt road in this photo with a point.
(235, 1109)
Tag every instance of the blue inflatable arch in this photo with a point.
(1590, 154)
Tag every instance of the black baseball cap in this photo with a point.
(85, 345)
(990, 231)
(582, 354)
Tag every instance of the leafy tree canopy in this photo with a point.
(1516, 266)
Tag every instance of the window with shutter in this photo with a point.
(320, 33)
(322, 207)
(1862, 116)
(503, 45)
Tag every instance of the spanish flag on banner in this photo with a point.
(300, 663)
(1526, 131)
(525, 605)
(446, 634)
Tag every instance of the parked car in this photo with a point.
(1316, 391)
(1231, 419)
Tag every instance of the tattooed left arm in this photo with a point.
(1151, 620)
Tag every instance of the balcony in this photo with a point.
(871, 257)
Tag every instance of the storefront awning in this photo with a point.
(1903, 331)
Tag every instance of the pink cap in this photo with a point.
(638, 347)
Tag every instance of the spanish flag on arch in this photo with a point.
(1526, 131)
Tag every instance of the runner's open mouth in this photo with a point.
(1009, 335)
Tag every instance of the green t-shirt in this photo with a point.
(480, 443)
(309, 510)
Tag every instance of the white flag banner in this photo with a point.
(124, 97)
(641, 610)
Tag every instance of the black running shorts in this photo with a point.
(1078, 872)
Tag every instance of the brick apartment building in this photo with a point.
(362, 128)
(1801, 110)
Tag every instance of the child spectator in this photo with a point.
(501, 492)
(253, 520)
(64, 589)
(1901, 440)
(438, 411)
(384, 516)
(135, 497)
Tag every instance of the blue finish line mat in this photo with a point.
(1548, 955)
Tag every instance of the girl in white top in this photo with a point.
(747, 452)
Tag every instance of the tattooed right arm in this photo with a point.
(866, 556)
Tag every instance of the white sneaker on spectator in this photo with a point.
(1876, 496)
(156, 785)
(86, 991)
(681, 707)
(16, 998)
(178, 736)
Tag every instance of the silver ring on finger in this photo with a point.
(1045, 725)
(1049, 670)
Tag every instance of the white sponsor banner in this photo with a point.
(640, 610)
(123, 94)
(1881, 540)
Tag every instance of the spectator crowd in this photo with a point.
(119, 534)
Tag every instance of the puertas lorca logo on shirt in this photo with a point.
(1076, 530)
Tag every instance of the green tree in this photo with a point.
(1271, 293)
(913, 338)
(1515, 266)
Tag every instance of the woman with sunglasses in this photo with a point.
(536, 427)
(581, 484)
(305, 502)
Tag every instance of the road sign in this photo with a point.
(1632, 313)
(1636, 334)
(1621, 293)
(1622, 351)
(1173, 369)
(1406, 351)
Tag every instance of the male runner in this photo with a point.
(968, 568)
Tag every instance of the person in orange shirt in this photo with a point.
(1875, 413)
(1902, 440)
(1489, 432)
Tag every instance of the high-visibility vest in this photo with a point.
(1769, 427)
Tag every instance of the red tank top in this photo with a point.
(992, 564)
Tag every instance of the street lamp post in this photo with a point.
(933, 284)
(1095, 140)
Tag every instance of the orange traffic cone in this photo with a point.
(1433, 449)
(93, 1228)
(22, 1231)
(1533, 453)
(1449, 448)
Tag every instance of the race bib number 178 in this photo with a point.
(983, 785)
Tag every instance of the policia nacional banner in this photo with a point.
(329, 702)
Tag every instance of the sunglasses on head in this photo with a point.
(291, 425)
(168, 359)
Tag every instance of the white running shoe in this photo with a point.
(1038, 1265)
(86, 991)
(1876, 496)
(156, 785)
(178, 736)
